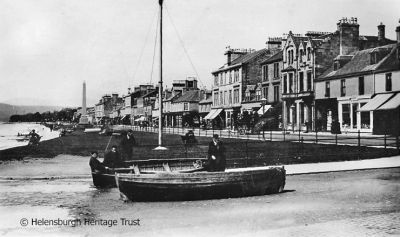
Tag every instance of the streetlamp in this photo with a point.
(263, 102)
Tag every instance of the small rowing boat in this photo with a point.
(178, 186)
(106, 179)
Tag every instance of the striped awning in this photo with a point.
(264, 109)
(213, 113)
(251, 106)
(375, 102)
(393, 103)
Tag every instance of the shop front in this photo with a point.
(352, 118)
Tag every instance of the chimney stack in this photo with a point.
(233, 54)
(381, 31)
(348, 29)
(398, 33)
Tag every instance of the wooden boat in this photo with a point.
(173, 186)
(161, 180)
(169, 186)
(106, 179)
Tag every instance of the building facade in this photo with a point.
(307, 58)
(351, 82)
(241, 73)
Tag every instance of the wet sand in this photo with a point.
(352, 203)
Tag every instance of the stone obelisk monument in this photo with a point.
(84, 118)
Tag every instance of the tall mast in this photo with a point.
(160, 83)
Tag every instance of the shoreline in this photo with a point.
(57, 170)
(240, 153)
(9, 134)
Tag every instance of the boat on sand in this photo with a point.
(180, 186)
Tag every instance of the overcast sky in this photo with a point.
(49, 47)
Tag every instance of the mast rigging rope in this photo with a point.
(183, 46)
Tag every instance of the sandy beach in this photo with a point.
(36, 190)
(352, 203)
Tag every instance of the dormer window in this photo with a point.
(373, 58)
(247, 95)
(301, 55)
(258, 94)
(290, 56)
(308, 54)
(336, 66)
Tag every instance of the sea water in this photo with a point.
(9, 133)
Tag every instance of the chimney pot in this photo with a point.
(398, 33)
(381, 31)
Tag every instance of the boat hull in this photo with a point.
(106, 179)
(103, 180)
(201, 185)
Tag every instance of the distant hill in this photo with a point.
(6, 110)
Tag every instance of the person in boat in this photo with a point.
(95, 164)
(127, 143)
(33, 134)
(216, 155)
(34, 138)
(112, 159)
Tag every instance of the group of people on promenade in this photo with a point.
(216, 160)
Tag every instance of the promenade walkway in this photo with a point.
(355, 139)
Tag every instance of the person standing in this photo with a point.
(216, 155)
(127, 143)
(112, 159)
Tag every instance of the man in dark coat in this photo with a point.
(95, 164)
(112, 159)
(127, 143)
(216, 155)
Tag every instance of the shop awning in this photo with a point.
(213, 113)
(140, 119)
(261, 111)
(210, 113)
(393, 103)
(251, 106)
(375, 102)
(126, 116)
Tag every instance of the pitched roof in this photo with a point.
(172, 97)
(276, 57)
(361, 62)
(149, 93)
(189, 96)
(247, 57)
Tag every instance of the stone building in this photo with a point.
(241, 73)
(139, 104)
(205, 105)
(351, 81)
(179, 87)
(305, 58)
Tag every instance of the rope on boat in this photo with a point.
(109, 140)
(183, 46)
(144, 46)
(154, 51)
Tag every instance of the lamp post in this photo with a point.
(263, 102)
